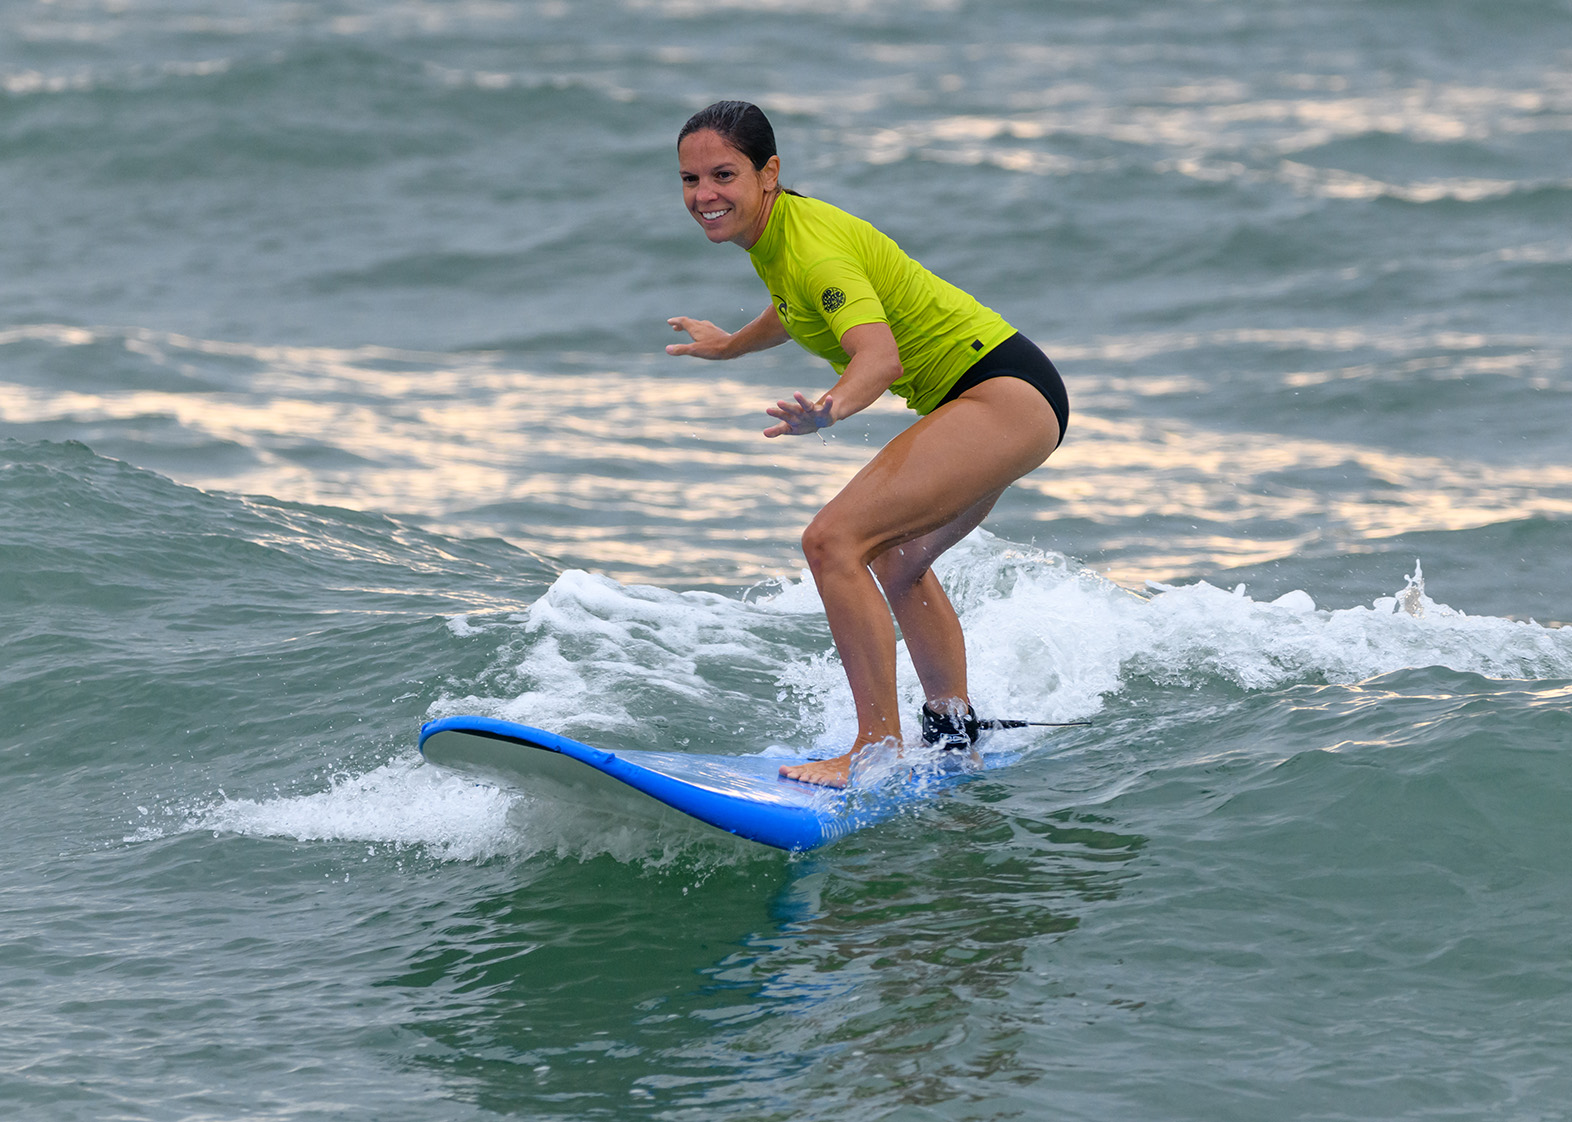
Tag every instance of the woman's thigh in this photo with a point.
(905, 563)
(947, 468)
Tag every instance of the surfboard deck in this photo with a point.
(743, 795)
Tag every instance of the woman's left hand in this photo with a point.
(800, 416)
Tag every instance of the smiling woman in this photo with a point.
(991, 405)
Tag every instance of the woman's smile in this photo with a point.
(726, 195)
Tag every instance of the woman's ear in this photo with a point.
(771, 172)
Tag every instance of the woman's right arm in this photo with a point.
(710, 341)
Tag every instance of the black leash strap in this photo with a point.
(999, 723)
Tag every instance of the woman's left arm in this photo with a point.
(874, 367)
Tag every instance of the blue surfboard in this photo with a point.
(743, 795)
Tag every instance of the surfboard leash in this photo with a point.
(1005, 723)
(950, 730)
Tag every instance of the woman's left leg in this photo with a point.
(921, 607)
(935, 481)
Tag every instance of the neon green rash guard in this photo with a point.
(829, 271)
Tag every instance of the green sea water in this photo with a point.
(332, 400)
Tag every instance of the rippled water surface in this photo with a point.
(333, 399)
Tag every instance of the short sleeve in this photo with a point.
(841, 292)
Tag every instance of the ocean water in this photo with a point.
(333, 399)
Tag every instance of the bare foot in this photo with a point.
(826, 773)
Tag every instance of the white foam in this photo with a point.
(461, 626)
(1187, 633)
(590, 648)
(407, 804)
(400, 803)
(1046, 641)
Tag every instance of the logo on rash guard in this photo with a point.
(833, 299)
(780, 306)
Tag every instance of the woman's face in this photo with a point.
(722, 190)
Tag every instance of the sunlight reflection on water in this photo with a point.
(661, 474)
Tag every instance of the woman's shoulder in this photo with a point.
(807, 208)
(819, 230)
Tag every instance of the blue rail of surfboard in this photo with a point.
(774, 823)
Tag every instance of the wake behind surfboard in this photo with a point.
(743, 795)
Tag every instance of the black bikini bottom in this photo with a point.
(1018, 357)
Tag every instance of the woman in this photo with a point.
(992, 409)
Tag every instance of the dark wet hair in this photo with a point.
(741, 124)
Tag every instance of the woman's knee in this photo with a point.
(825, 543)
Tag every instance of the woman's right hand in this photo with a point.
(709, 341)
